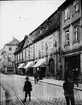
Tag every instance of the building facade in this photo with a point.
(56, 43)
(42, 43)
(71, 34)
(8, 56)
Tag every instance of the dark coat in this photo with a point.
(35, 74)
(68, 88)
(27, 86)
(68, 74)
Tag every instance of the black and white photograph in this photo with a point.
(40, 52)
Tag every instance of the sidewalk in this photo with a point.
(56, 82)
(2, 96)
(52, 81)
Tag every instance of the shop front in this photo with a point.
(29, 68)
(73, 61)
(21, 69)
(40, 66)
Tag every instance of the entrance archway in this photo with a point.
(51, 67)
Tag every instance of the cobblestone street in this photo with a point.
(42, 94)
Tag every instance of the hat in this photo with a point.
(27, 78)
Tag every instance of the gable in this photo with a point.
(26, 43)
(30, 40)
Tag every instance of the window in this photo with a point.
(9, 59)
(76, 34)
(42, 46)
(67, 38)
(10, 49)
(67, 14)
(50, 42)
(76, 6)
(27, 53)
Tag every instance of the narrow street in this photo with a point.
(42, 94)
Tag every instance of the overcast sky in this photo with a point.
(19, 18)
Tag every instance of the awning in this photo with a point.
(40, 63)
(20, 66)
(29, 64)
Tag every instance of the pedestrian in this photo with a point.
(68, 73)
(36, 76)
(27, 88)
(68, 87)
(75, 76)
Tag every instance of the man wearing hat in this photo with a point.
(27, 88)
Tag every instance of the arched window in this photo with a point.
(51, 66)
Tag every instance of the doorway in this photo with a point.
(73, 62)
(51, 67)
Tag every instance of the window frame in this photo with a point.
(67, 35)
(76, 33)
(76, 5)
(66, 14)
(10, 48)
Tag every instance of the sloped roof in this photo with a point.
(13, 42)
(20, 45)
(47, 27)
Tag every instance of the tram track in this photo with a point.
(38, 100)
(11, 93)
(10, 90)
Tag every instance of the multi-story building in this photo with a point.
(56, 43)
(71, 34)
(8, 56)
(22, 54)
(43, 47)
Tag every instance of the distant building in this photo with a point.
(8, 54)
(21, 55)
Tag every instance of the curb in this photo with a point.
(43, 81)
(77, 88)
